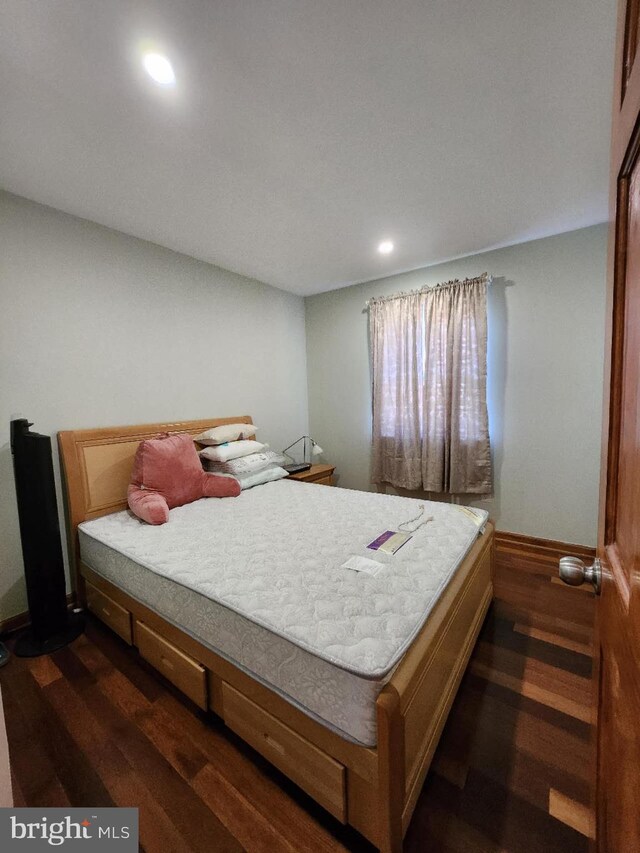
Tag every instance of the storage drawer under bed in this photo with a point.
(112, 614)
(309, 767)
(186, 673)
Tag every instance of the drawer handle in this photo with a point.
(166, 662)
(106, 612)
(274, 744)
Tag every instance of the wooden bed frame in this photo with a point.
(373, 789)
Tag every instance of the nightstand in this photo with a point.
(321, 474)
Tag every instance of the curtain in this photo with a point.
(429, 360)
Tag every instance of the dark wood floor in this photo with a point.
(94, 725)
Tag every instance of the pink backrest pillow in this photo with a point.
(167, 472)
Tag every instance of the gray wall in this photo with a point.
(98, 329)
(546, 330)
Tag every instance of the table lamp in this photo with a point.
(311, 449)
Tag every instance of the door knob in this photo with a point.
(574, 572)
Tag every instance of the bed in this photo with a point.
(340, 679)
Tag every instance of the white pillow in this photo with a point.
(267, 475)
(226, 432)
(233, 450)
(245, 464)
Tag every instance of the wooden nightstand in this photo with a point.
(321, 474)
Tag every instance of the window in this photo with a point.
(430, 421)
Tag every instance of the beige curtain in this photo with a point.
(429, 358)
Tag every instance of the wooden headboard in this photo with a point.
(97, 463)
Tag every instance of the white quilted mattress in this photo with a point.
(259, 579)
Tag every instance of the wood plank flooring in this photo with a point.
(94, 725)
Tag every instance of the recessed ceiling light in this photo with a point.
(385, 247)
(159, 68)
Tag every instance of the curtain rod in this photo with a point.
(485, 278)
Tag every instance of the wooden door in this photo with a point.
(618, 611)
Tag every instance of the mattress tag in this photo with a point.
(390, 541)
(478, 520)
(471, 514)
(362, 564)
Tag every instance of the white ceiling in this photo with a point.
(302, 132)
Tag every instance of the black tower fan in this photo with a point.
(52, 626)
